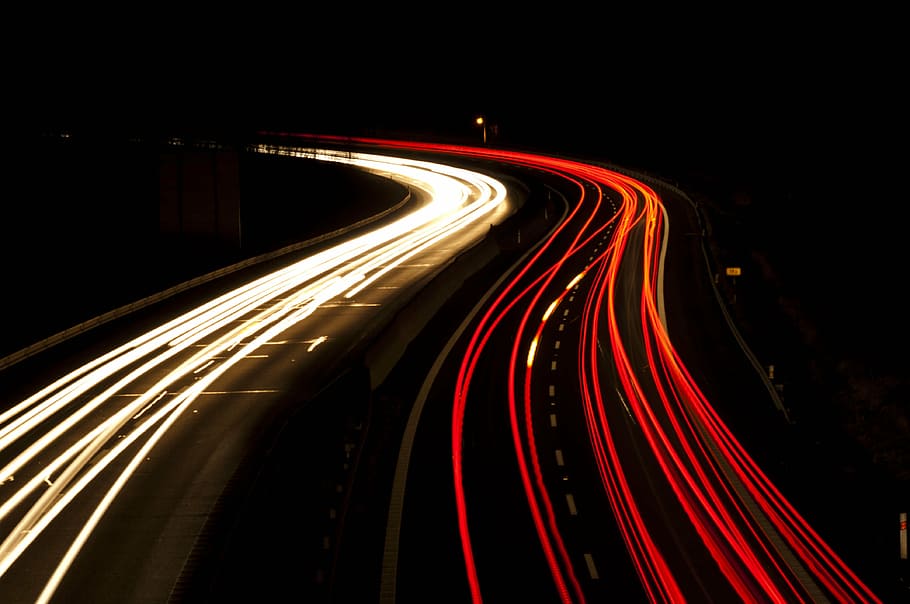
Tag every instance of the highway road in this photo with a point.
(113, 471)
(559, 431)
(584, 460)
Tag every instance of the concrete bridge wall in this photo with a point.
(200, 197)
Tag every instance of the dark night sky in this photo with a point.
(679, 89)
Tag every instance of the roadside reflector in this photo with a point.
(903, 535)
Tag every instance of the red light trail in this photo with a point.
(759, 544)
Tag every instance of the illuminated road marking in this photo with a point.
(592, 570)
(206, 392)
(571, 502)
(204, 367)
(552, 365)
(623, 401)
(552, 420)
(556, 345)
(552, 390)
(144, 409)
(259, 391)
(559, 460)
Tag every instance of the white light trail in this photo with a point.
(62, 437)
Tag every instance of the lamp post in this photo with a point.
(483, 124)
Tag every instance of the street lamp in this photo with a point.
(483, 124)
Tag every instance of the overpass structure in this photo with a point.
(199, 194)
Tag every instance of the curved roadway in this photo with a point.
(559, 431)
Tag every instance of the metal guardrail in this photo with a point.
(122, 311)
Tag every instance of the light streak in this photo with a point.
(531, 349)
(80, 425)
(718, 487)
(575, 281)
(316, 342)
(550, 309)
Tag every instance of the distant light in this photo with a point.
(479, 120)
